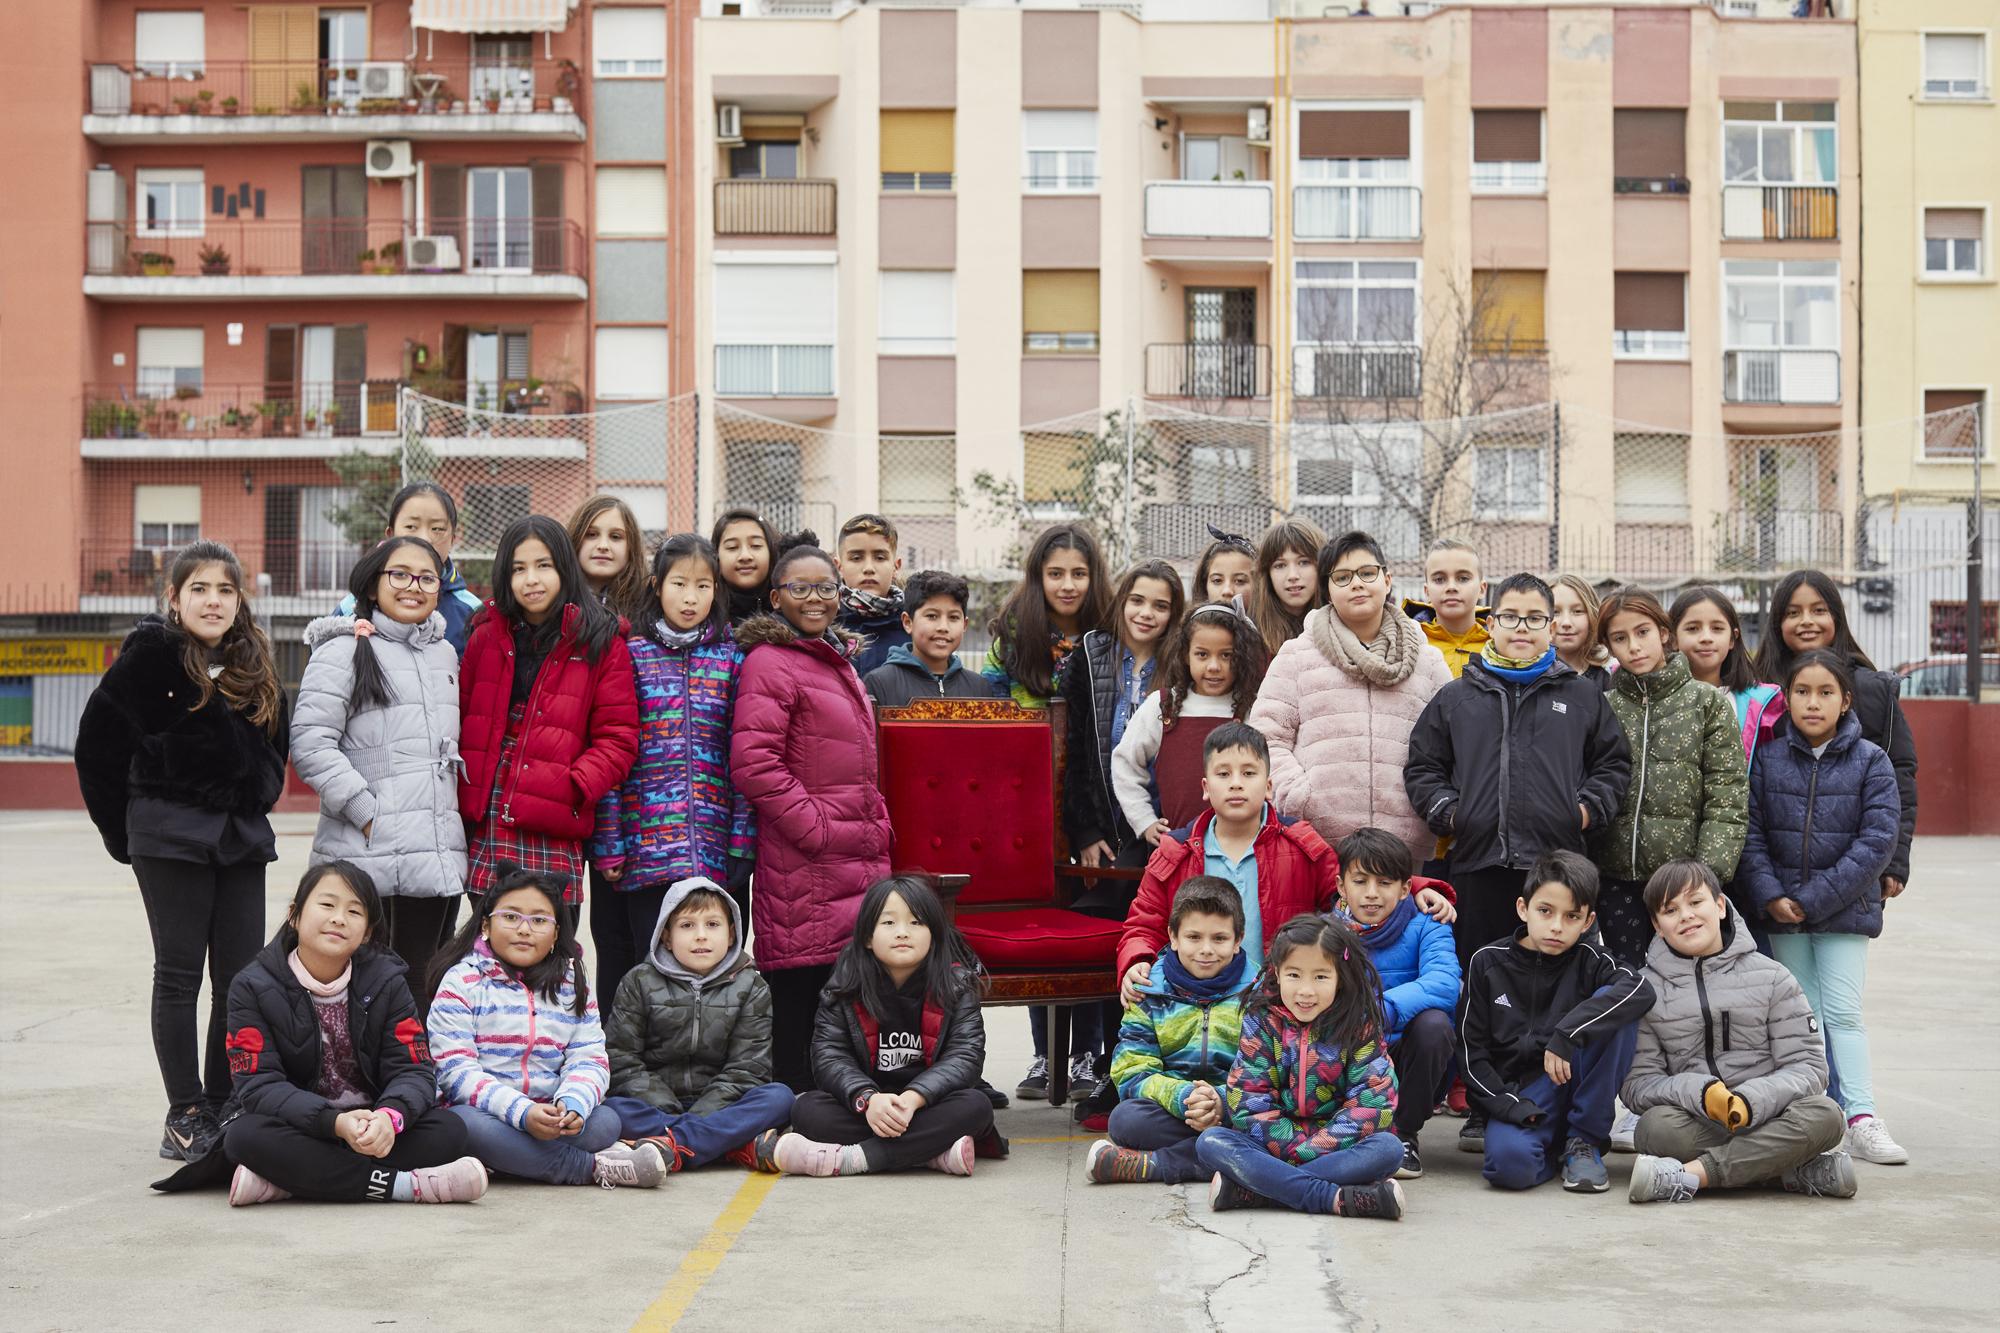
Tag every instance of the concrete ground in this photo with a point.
(1025, 1244)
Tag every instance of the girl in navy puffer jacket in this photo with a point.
(1824, 819)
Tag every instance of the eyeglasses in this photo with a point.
(403, 578)
(1515, 620)
(806, 592)
(1340, 578)
(510, 919)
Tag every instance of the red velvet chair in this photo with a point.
(973, 788)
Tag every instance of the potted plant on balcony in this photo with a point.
(305, 97)
(367, 260)
(229, 105)
(390, 258)
(186, 105)
(312, 421)
(568, 82)
(154, 264)
(332, 416)
(205, 100)
(531, 392)
(107, 420)
(239, 419)
(214, 261)
(492, 101)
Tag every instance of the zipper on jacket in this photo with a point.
(521, 751)
(1707, 1019)
(1639, 799)
(1508, 702)
(1725, 1029)
(1805, 837)
(528, 1054)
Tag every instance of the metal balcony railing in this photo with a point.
(211, 247)
(164, 410)
(273, 565)
(774, 370)
(1776, 538)
(238, 88)
(774, 208)
(1780, 212)
(1208, 370)
(1780, 375)
(1357, 211)
(1324, 370)
(1224, 209)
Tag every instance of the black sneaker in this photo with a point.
(1413, 1165)
(1225, 1194)
(1472, 1135)
(1035, 1087)
(1583, 1168)
(990, 1143)
(993, 1095)
(1383, 1199)
(191, 1134)
(1082, 1077)
(1098, 1104)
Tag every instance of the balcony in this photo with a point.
(1208, 370)
(1776, 538)
(1780, 375)
(1230, 210)
(123, 577)
(1780, 212)
(302, 101)
(774, 208)
(1327, 370)
(337, 259)
(1357, 212)
(774, 370)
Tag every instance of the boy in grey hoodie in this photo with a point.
(689, 1038)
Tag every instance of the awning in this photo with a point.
(491, 15)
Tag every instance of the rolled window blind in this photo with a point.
(1951, 224)
(1506, 136)
(1512, 304)
(1354, 133)
(1649, 142)
(1654, 302)
(1059, 301)
(917, 141)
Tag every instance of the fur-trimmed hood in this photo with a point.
(764, 629)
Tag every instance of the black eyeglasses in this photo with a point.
(806, 592)
(1515, 620)
(403, 578)
(1340, 578)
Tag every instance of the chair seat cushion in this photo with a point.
(1040, 937)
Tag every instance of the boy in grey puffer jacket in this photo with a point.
(689, 1038)
(1730, 1076)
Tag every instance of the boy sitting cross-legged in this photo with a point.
(1547, 1026)
(1177, 1042)
(1418, 965)
(1730, 1076)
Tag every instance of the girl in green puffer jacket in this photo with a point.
(1690, 793)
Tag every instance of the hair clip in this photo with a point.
(364, 629)
(1230, 539)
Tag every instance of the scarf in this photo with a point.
(1402, 642)
(1386, 931)
(1513, 669)
(868, 606)
(1176, 979)
(678, 639)
(321, 990)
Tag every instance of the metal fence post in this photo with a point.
(1555, 490)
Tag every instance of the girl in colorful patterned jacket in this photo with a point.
(519, 1049)
(676, 815)
(1312, 1095)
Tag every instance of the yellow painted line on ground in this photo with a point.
(706, 1256)
(1068, 1138)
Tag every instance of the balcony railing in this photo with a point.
(1781, 375)
(217, 248)
(1357, 212)
(1779, 538)
(272, 565)
(337, 410)
(1780, 212)
(1649, 345)
(1208, 370)
(1227, 209)
(1321, 370)
(774, 208)
(774, 370)
(396, 87)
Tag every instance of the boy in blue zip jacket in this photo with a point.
(1177, 1042)
(1417, 961)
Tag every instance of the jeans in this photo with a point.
(418, 928)
(705, 1137)
(197, 910)
(314, 1168)
(1422, 1056)
(1520, 1157)
(820, 1117)
(1308, 1187)
(1831, 970)
(794, 1003)
(1797, 1134)
(621, 925)
(516, 1152)
(1151, 1127)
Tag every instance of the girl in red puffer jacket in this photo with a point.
(548, 717)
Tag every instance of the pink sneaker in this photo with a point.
(247, 1187)
(955, 1160)
(797, 1155)
(461, 1181)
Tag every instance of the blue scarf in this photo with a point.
(1173, 979)
(1386, 931)
(1519, 675)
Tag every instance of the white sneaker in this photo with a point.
(634, 1167)
(1625, 1130)
(1868, 1138)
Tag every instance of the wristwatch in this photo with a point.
(861, 1102)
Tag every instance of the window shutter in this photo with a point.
(1649, 143)
(281, 364)
(551, 229)
(775, 303)
(1050, 465)
(451, 357)
(1653, 302)
(1513, 306)
(1953, 437)
(1354, 133)
(1952, 224)
(1506, 136)
(1649, 479)
(917, 141)
(514, 355)
(448, 203)
(1954, 56)
(1059, 301)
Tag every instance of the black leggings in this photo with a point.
(621, 925)
(197, 912)
(933, 1129)
(418, 928)
(794, 1004)
(316, 1168)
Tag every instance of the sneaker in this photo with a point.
(1413, 1165)
(1659, 1180)
(1035, 1087)
(955, 1160)
(990, 1142)
(1831, 1174)
(756, 1155)
(1108, 1164)
(994, 1095)
(797, 1155)
(635, 1166)
(1097, 1104)
(672, 1152)
(461, 1181)
(247, 1187)
(1383, 1199)
(191, 1133)
(1625, 1131)
(1082, 1077)
(1583, 1168)
(1472, 1136)
(1454, 1101)
(1868, 1138)
(1225, 1194)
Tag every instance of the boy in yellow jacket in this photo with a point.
(1453, 619)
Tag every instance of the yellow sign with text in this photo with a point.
(56, 657)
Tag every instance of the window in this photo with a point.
(1649, 315)
(1649, 481)
(631, 363)
(169, 362)
(1955, 65)
(1365, 301)
(503, 67)
(503, 224)
(496, 365)
(1952, 242)
(485, 513)
(165, 516)
(1507, 304)
(1649, 150)
(1954, 425)
(1795, 303)
(1216, 157)
(765, 159)
(1052, 472)
(774, 329)
(629, 43)
(170, 202)
(1059, 310)
(769, 476)
(1059, 149)
(916, 150)
(631, 201)
(1507, 480)
(1354, 175)
(918, 313)
(1507, 152)
(1779, 143)
(168, 44)
(1342, 466)
(919, 476)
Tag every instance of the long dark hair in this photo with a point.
(1774, 656)
(1277, 624)
(1355, 1017)
(597, 625)
(747, 601)
(949, 972)
(371, 688)
(689, 546)
(626, 592)
(249, 679)
(1735, 673)
(1247, 659)
(1833, 663)
(1176, 598)
(565, 958)
(1022, 629)
(363, 884)
(1225, 543)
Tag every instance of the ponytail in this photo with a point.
(371, 687)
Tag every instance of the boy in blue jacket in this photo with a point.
(1417, 961)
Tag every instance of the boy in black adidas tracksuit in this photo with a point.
(1547, 1028)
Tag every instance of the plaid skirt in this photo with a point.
(494, 840)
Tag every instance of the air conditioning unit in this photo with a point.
(432, 252)
(383, 78)
(1258, 127)
(728, 123)
(390, 158)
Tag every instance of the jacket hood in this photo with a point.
(152, 631)
(903, 656)
(1668, 961)
(771, 629)
(426, 631)
(1661, 681)
(1421, 611)
(662, 957)
(1843, 738)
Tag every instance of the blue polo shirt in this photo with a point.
(1241, 874)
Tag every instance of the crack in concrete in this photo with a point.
(19, 1034)
(1180, 1215)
